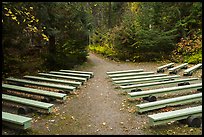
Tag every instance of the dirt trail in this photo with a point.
(97, 108)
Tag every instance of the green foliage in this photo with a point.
(195, 59)
(150, 31)
(104, 50)
(56, 31)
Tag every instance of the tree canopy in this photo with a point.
(53, 35)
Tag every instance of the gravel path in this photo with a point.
(98, 107)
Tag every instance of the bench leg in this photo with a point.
(150, 98)
(135, 90)
(199, 89)
(24, 110)
(182, 121)
(160, 71)
(47, 100)
(193, 121)
(183, 83)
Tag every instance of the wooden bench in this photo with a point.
(161, 68)
(148, 94)
(168, 102)
(124, 71)
(64, 77)
(174, 70)
(138, 86)
(71, 74)
(139, 77)
(49, 85)
(48, 94)
(190, 114)
(79, 72)
(132, 81)
(72, 83)
(28, 103)
(189, 71)
(130, 74)
(16, 121)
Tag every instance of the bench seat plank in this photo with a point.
(180, 114)
(65, 77)
(49, 85)
(123, 82)
(77, 71)
(138, 77)
(35, 91)
(146, 93)
(189, 71)
(174, 69)
(72, 83)
(22, 121)
(130, 87)
(130, 74)
(124, 71)
(71, 74)
(28, 102)
(169, 102)
(165, 66)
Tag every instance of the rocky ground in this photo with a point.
(99, 108)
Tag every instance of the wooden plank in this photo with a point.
(136, 86)
(124, 71)
(77, 71)
(138, 77)
(175, 69)
(64, 77)
(49, 85)
(147, 93)
(35, 91)
(17, 121)
(71, 74)
(169, 102)
(189, 71)
(130, 74)
(164, 117)
(132, 81)
(28, 102)
(72, 83)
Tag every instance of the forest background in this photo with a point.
(42, 36)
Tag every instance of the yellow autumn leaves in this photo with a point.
(25, 16)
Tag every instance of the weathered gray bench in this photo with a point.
(48, 94)
(34, 104)
(132, 81)
(130, 74)
(64, 77)
(16, 121)
(71, 74)
(192, 115)
(169, 102)
(137, 86)
(161, 68)
(189, 71)
(49, 85)
(148, 94)
(174, 70)
(72, 83)
(79, 72)
(124, 71)
(138, 77)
